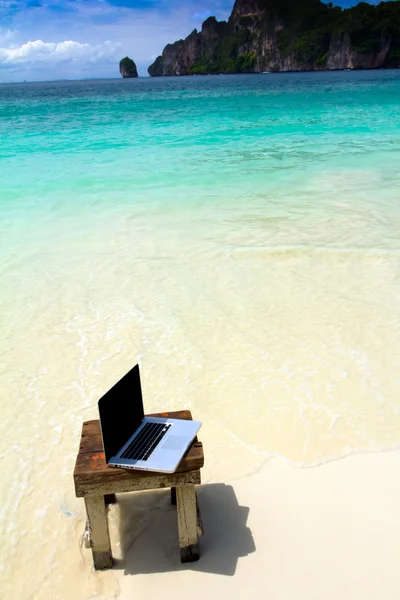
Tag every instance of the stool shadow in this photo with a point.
(149, 532)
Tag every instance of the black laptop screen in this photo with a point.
(121, 412)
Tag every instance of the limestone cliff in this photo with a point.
(127, 68)
(286, 35)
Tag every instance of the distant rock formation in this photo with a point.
(288, 35)
(127, 68)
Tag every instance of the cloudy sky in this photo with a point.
(73, 39)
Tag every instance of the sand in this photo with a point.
(331, 532)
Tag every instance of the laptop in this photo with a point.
(133, 441)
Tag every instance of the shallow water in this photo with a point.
(238, 236)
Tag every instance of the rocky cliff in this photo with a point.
(127, 68)
(286, 35)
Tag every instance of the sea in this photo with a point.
(238, 236)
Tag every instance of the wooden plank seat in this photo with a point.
(97, 483)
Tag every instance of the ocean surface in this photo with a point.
(239, 236)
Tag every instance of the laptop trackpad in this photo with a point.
(175, 442)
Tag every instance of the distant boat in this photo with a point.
(265, 72)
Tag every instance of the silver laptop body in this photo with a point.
(133, 441)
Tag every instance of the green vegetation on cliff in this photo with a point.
(366, 24)
(228, 58)
(309, 36)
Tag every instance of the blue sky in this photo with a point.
(55, 39)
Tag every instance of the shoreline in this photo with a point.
(280, 72)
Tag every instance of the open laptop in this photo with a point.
(133, 441)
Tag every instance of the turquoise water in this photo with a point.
(189, 139)
(239, 236)
(248, 200)
(101, 145)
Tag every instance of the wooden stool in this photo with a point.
(97, 483)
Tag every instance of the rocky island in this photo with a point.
(287, 35)
(127, 68)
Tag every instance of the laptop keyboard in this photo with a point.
(144, 444)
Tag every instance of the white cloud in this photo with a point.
(39, 51)
(70, 43)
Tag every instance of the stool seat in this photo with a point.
(94, 480)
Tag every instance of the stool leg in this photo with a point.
(99, 535)
(187, 522)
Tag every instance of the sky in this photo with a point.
(77, 39)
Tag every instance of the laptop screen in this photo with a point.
(121, 412)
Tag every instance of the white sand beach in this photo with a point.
(285, 533)
(284, 381)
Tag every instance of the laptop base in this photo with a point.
(166, 457)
